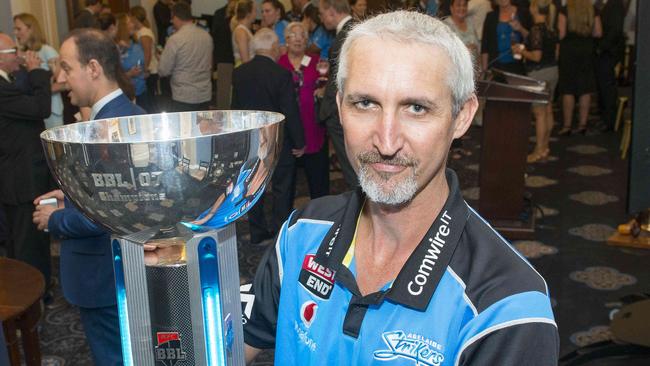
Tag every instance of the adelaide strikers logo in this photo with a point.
(422, 351)
(168, 349)
(308, 312)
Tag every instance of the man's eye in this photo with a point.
(363, 104)
(417, 109)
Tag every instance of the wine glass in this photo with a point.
(323, 67)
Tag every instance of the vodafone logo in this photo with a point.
(308, 312)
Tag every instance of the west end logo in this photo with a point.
(315, 278)
(420, 350)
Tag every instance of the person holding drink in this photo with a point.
(132, 56)
(506, 25)
(22, 112)
(306, 71)
(30, 37)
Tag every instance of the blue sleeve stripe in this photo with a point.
(311, 221)
(462, 284)
(522, 308)
(279, 247)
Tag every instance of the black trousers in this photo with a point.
(25, 242)
(283, 190)
(335, 131)
(152, 93)
(317, 167)
(164, 99)
(607, 90)
(189, 107)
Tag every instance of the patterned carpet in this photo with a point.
(580, 196)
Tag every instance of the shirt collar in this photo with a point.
(186, 26)
(444, 233)
(5, 76)
(342, 23)
(102, 102)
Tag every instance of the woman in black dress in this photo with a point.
(578, 25)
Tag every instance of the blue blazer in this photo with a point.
(86, 258)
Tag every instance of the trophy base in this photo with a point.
(183, 308)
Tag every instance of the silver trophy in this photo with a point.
(169, 187)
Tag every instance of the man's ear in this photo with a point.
(94, 68)
(339, 98)
(465, 116)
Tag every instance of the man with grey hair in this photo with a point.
(262, 84)
(401, 270)
(23, 170)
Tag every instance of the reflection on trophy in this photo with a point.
(169, 187)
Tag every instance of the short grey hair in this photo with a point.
(263, 40)
(290, 26)
(414, 27)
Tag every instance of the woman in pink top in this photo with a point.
(305, 77)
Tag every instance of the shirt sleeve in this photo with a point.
(69, 223)
(279, 31)
(34, 106)
(261, 299)
(531, 344)
(166, 63)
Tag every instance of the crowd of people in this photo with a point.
(286, 62)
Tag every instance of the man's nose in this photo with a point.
(61, 78)
(388, 138)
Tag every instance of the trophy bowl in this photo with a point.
(161, 173)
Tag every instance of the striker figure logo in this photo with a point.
(422, 351)
(168, 350)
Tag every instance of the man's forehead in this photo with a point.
(69, 50)
(396, 53)
(399, 68)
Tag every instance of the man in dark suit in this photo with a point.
(23, 170)
(88, 16)
(90, 65)
(221, 36)
(261, 84)
(335, 15)
(609, 51)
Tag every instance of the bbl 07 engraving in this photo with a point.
(131, 182)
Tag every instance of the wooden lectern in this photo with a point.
(504, 146)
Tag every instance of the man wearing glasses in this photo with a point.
(23, 171)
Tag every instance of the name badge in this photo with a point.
(305, 61)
